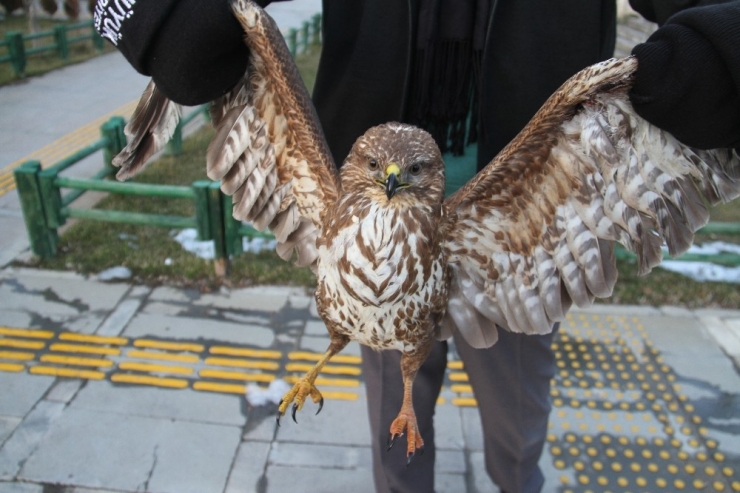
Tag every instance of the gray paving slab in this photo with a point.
(248, 471)
(178, 404)
(16, 487)
(191, 328)
(7, 425)
(331, 426)
(326, 480)
(27, 436)
(134, 453)
(21, 391)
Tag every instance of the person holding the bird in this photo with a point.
(497, 264)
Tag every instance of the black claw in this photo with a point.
(321, 405)
(420, 450)
(295, 408)
(409, 458)
(278, 418)
(392, 441)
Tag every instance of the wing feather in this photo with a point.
(152, 125)
(536, 229)
(268, 151)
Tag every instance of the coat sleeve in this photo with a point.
(193, 49)
(688, 80)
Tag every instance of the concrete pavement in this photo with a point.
(112, 387)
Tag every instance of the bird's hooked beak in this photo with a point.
(393, 181)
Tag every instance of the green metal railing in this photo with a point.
(58, 39)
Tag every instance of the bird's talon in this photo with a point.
(392, 440)
(409, 458)
(295, 409)
(321, 405)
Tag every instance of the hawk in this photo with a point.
(397, 263)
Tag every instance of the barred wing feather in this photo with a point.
(536, 229)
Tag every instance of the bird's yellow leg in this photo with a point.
(305, 387)
(406, 419)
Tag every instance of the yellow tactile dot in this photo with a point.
(663, 454)
(690, 468)
(635, 467)
(602, 481)
(669, 431)
(693, 442)
(686, 430)
(587, 439)
(640, 481)
(551, 437)
(608, 405)
(701, 456)
(622, 440)
(616, 467)
(606, 439)
(679, 484)
(710, 471)
(592, 452)
(555, 450)
(728, 471)
(559, 464)
(574, 451)
(610, 452)
(647, 454)
(718, 486)
(622, 482)
(641, 440)
(583, 479)
(676, 443)
(579, 466)
(696, 419)
(591, 404)
(698, 484)
(652, 467)
(689, 408)
(672, 468)
(570, 438)
(735, 486)
(682, 455)
(629, 453)
(718, 456)
(598, 466)
(661, 483)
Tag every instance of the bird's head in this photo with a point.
(396, 163)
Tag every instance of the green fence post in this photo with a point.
(112, 131)
(51, 198)
(60, 37)
(304, 36)
(17, 51)
(202, 214)
(174, 146)
(97, 39)
(316, 38)
(43, 239)
(218, 229)
(233, 240)
(293, 41)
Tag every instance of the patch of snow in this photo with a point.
(259, 396)
(706, 271)
(118, 273)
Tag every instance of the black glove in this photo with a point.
(193, 49)
(688, 77)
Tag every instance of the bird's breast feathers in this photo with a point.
(376, 283)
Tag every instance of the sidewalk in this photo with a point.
(112, 387)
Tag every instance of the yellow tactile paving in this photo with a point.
(63, 146)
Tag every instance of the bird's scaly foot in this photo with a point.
(303, 388)
(406, 422)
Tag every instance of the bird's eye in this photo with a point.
(373, 164)
(415, 169)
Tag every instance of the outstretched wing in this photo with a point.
(535, 230)
(268, 151)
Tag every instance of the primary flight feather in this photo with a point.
(396, 263)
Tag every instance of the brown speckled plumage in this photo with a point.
(397, 264)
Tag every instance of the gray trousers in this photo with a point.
(511, 382)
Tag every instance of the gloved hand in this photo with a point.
(688, 77)
(193, 49)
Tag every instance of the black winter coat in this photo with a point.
(532, 46)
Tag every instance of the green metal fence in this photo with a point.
(57, 40)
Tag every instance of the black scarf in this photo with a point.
(446, 70)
